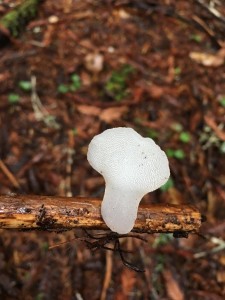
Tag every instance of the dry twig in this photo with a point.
(108, 274)
(9, 174)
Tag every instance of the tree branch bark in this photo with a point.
(61, 213)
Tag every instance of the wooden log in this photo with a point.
(60, 213)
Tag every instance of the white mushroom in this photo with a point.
(132, 166)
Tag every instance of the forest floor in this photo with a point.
(79, 68)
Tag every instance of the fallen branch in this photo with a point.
(61, 213)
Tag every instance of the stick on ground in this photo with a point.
(61, 213)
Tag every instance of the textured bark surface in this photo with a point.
(61, 213)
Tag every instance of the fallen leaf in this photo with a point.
(121, 13)
(212, 124)
(113, 113)
(220, 275)
(173, 288)
(156, 91)
(128, 280)
(88, 110)
(222, 260)
(4, 76)
(119, 295)
(207, 59)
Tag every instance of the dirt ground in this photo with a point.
(78, 68)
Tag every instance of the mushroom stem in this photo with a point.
(116, 211)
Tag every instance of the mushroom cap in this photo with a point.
(128, 161)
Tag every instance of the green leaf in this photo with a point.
(170, 152)
(179, 154)
(63, 88)
(167, 185)
(25, 85)
(222, 101)
(196, 37)
(177, 127)
(76, 83)
(73, 88)
(13, 98)
(74, 131)
(185, 137)
(177, 71)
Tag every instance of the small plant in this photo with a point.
(177, 127)
(222, 101)
(76, 82)
(13, 98)
(162, 239)
(176, 153)
(63, 88)
(116, 86)
(196, 37)
(177, 71)
(25, 85)
(184, 137)
(71, 87)
(209, 139)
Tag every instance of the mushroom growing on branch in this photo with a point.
(132, 166)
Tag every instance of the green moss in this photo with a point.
(15, 20)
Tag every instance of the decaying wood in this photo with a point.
(61, 213)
